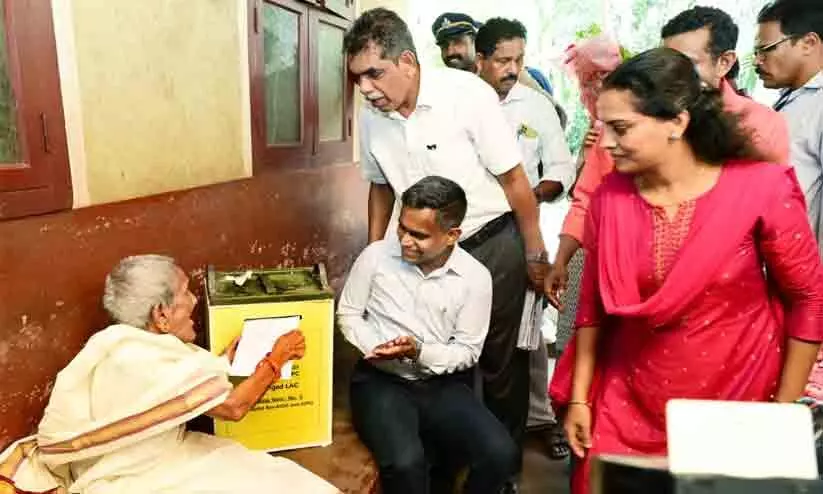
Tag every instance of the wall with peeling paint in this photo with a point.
(52, 267)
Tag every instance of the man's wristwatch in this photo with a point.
(538, 258)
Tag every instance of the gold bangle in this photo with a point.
(577, 402)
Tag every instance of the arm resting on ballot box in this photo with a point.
(244, 396)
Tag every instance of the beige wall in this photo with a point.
(155, 94)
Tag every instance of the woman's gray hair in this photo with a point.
(137, 285)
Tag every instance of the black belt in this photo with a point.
(488, 231)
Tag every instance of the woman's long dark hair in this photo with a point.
(665, 83)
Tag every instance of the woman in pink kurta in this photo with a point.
(675, 300)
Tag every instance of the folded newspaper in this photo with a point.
(530, 336)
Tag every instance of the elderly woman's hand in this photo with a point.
(290, 346)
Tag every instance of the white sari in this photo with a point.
(115, 423)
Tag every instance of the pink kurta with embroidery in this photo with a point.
(684, 308)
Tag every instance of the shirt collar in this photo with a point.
(426, 94)
(453, 264)
(516, 93)
(815, 82)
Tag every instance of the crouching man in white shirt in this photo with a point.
(418, 309)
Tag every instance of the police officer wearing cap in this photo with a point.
(419, 122)
(455, 35)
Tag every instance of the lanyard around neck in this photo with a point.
(784, 99)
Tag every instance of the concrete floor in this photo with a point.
(542, 475)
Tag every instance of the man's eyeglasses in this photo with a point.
(764, 49)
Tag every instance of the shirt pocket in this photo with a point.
(445, 300)
(444, 149)
(530, 148)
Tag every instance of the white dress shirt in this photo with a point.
(447, 310)
(457, 131)
(803, 109)
(535, 124)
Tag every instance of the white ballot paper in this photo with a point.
(256, 341)
(741, 439)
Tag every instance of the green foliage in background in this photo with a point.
(747, 80)
(590, 32)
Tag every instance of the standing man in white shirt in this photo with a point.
(501, 45)
(418, 310)
(449, 123)
(789, 56)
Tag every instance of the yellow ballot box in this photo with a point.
(258, 306)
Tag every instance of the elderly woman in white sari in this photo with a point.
(115, 422)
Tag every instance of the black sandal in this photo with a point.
(552, 437)
(558, 446)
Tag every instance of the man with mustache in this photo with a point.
(708, 36)
(420, 122)
(500, 45)
(455, 34)
(789, 56)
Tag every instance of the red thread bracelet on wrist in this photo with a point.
(267, 361)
